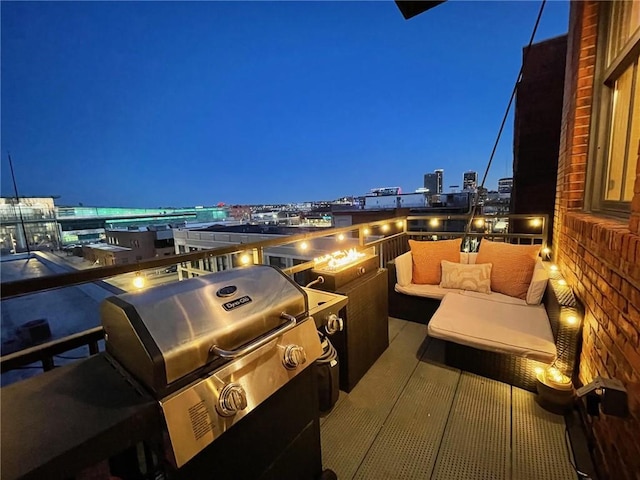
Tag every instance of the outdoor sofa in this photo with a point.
(487, 332)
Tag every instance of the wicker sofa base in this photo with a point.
(511, 369)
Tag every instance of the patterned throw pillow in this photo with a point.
(426, 258)
(512, 266)
(476, 278)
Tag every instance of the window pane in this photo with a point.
(624, 21)
(634, 143)
(619, 131)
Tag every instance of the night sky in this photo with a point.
(178, 104)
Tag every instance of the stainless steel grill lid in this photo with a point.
(165, 333)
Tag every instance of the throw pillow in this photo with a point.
(426, 258)
(476, 278)
(538, 284)
(512, 266)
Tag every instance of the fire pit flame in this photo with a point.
(339, 259)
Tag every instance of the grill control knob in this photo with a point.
(334, 324)
(232, 399)
(294, 356)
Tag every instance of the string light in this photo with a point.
(479, 222)
(245, 259)
(536, 222)
(366, 231)
(553, 268)
(562, 282)
(139, 281)
(400, 224)
(385, 228)
(572, 319)
(434, 222)
(304, 245)
(341, 237)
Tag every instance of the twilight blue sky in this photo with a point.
(174, 104)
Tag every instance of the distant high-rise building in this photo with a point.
(505, 185)
(440, 175)
(470, 181)
(433, 181)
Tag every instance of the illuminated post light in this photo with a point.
(536, 222)
(245, 259)
(138, 281)
(385, 228)
(434, 222)
(304, 246)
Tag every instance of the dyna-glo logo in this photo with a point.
(236, 303)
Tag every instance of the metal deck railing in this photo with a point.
(388, 239)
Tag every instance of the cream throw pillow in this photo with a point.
(476, 278)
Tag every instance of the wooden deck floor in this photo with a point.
(411, 417)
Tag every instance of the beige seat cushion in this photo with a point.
(522, 330)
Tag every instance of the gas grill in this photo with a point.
(212, 350)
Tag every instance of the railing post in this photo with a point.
(260, 255)
(47, 363)
(93, 348)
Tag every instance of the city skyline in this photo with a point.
(188, 104)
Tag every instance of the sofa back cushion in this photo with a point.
(512, 266)
(476, 278)
(426, 258)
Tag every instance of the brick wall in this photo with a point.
(600, 258)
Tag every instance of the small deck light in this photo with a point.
(479, 223)
(555, 390)
(400, 224)
(572, 319)
(304, 246)
(245, 259)
(562, 282)
(340, 237)
(536, 222)
(139, 281)
(434, 222)
(385, 228)
(553, 268)
(366, 231)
